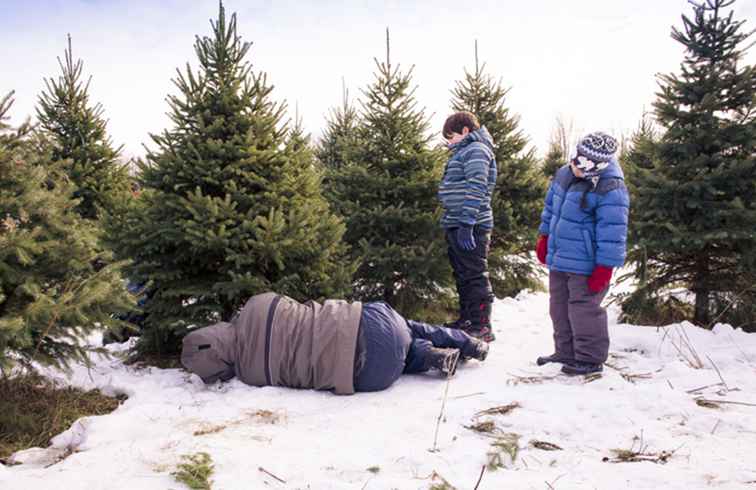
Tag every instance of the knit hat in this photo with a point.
(595, 152)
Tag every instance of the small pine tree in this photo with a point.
(387, 195)
(51, 296)
(554, 159)
(78, 132)
(232, 204)
(520, 186)
(340, 137)
(694, 188)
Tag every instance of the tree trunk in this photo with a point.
(702, 291)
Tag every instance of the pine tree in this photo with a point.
(232, 204)
(79, 135)
(695, 195)
(51, 296)
(520, 186)
(387, 195)
(340, 138)
(554, 159)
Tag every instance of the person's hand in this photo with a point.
(600, 278)
(465, 238)
(542, 247)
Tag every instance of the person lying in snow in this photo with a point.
(340, 346)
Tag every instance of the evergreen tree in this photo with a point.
(694, 209)
(340, 137)
(231, 205)
(520, 187)
(387, 195)
(51, 296)
(554, 159)
(79, 135)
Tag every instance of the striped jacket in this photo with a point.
(468, 182)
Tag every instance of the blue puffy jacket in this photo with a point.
(586, 226)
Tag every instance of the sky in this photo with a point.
(591, 62)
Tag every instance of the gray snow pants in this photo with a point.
(580, 323)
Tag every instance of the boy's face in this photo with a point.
(576, 171)
(457, 137)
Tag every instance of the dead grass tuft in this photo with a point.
(33, 410)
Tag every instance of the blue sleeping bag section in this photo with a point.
(386, 339)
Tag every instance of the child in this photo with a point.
(465, 193)
(582, 238)
(334, 345)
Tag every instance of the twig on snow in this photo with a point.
(717, 402)
(271, 474)
(480, 477)
(443, 405)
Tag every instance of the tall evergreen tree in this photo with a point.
(78, 132)
(520, 185)
(51, 296)
(232, 204)
(695, 192)
(387, 195)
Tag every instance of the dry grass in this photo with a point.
(642, 453)
(500, 410)
(544, 446)
(252, 416)
(485, 427)
(33, 410)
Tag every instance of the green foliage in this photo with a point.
(387, 196)
(554, 160)
(195, 471)
(692, 185)
(340, 140)
(78, 133)
(55, 285)
(232, 202)
(520, 185)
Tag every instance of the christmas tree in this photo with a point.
(694, 187)
(51, 295)
(520, 185)
(555, 158)
(232, 204)
(78, 132)
(387, 196)
(340, 137)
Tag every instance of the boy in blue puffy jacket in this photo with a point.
(582, 239)
(465, 193)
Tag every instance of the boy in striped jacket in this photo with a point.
(465, 194)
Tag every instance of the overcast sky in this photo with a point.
(591, 61)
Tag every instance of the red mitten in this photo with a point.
(600, 278)
(542, 246)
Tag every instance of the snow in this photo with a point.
(316, 440)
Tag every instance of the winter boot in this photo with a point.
(480, 322)
(554, 358)
(475, 349)
(581, 368)
(445, 360)
(459, 323)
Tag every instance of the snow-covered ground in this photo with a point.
(316, 440)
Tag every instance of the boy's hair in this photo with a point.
(459, 120)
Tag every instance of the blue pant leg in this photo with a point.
(442, 337)
(418, 356)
